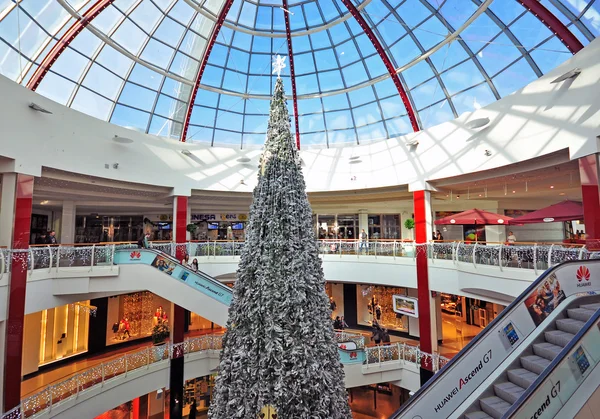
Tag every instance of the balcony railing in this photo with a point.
(531, 256)
(402, 353)
(97, 376)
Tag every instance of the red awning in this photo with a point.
(563, 211)
(475, 216)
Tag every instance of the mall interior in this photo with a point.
(450, 150)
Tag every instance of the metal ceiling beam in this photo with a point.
(554, 24)
(386, 61)
(209, 47)
(65, 41)
(292, 74)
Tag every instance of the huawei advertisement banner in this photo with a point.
(406, 305)
(461, 378)
(207, 286)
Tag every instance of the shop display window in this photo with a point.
(377, 303)
(64, 331)
(199, 389)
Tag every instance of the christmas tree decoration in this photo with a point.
(280, 349)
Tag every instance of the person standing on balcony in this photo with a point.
(438, 236)
(51, 239)
(343, 324)
(42, 239)
(143, 242)
(511, 239)
(364, 239)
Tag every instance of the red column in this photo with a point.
(588, 173)
(178, 318)
(135, 408)
(18, 283)
(422, 209)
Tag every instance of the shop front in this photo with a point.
(375, 303)
(97, 228)
(55, 334)
(226, 226)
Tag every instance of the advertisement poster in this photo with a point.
(164, 265)
(442, 214)
(406, 305)
(474, 233)
(544, 299)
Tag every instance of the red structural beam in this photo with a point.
(554, 24)
(388, 64)
(209, 47)
(292, 74)
(65, 41)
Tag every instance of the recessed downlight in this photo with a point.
(355, 161)
(477, 123)
(244, 160)
(354, 158)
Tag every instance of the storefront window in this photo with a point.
(376, 303)
(391, 226)
(64, 331)
(107, 228)
(347, 226)
(199, 389)
(327, 226)
(375, 227)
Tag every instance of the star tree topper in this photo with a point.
(278, 65)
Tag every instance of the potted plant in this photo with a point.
(409, 224)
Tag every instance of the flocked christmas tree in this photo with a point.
(279, 352)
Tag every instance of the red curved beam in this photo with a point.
(554, 24)
(292, 75)
(209, 47)
(65, 41)
(388, 64)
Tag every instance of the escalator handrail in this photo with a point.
(552, 366)
(198, 272)
(484, 332)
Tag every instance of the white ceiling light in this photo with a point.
(244, 160)
(38, 108)
(412, 143)
(477, 123)
(568, 75)
(355, 161)
(354, 158)
(186, 152)
(122, 140)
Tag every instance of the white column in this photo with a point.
(7, 208)
(363, 222)
(67, 225)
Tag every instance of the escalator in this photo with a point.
(163, 275)
(488, 378)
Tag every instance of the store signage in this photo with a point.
(159, 218)
(406, 305)
(455, 384)
(205, 285)
(220, 217)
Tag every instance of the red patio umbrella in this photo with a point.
(474, 216)
(563, 211)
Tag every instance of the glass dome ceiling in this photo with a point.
(139, 63)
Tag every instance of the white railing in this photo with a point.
(403, 353)
(91, 378)
(534, 256)
(342, 336)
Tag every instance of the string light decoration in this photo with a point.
(86, 308)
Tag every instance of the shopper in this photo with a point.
(385, 337)
(186, 261)
(343, 324)
(193, 410)
(195, 265)
(144, 241)
(376, 336)
(511, 239)
(438, 236)
(51, 239)
(363, 239)
(42, 239)
(337, 325)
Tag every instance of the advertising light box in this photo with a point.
(406, 305)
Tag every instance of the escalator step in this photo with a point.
(477, 415)
(546, 350)
(558, 337)
(569, 325)
(594, 306)
(522, 377)
(535, 363)
(494, 406)
(582, 314)
(509, 392)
